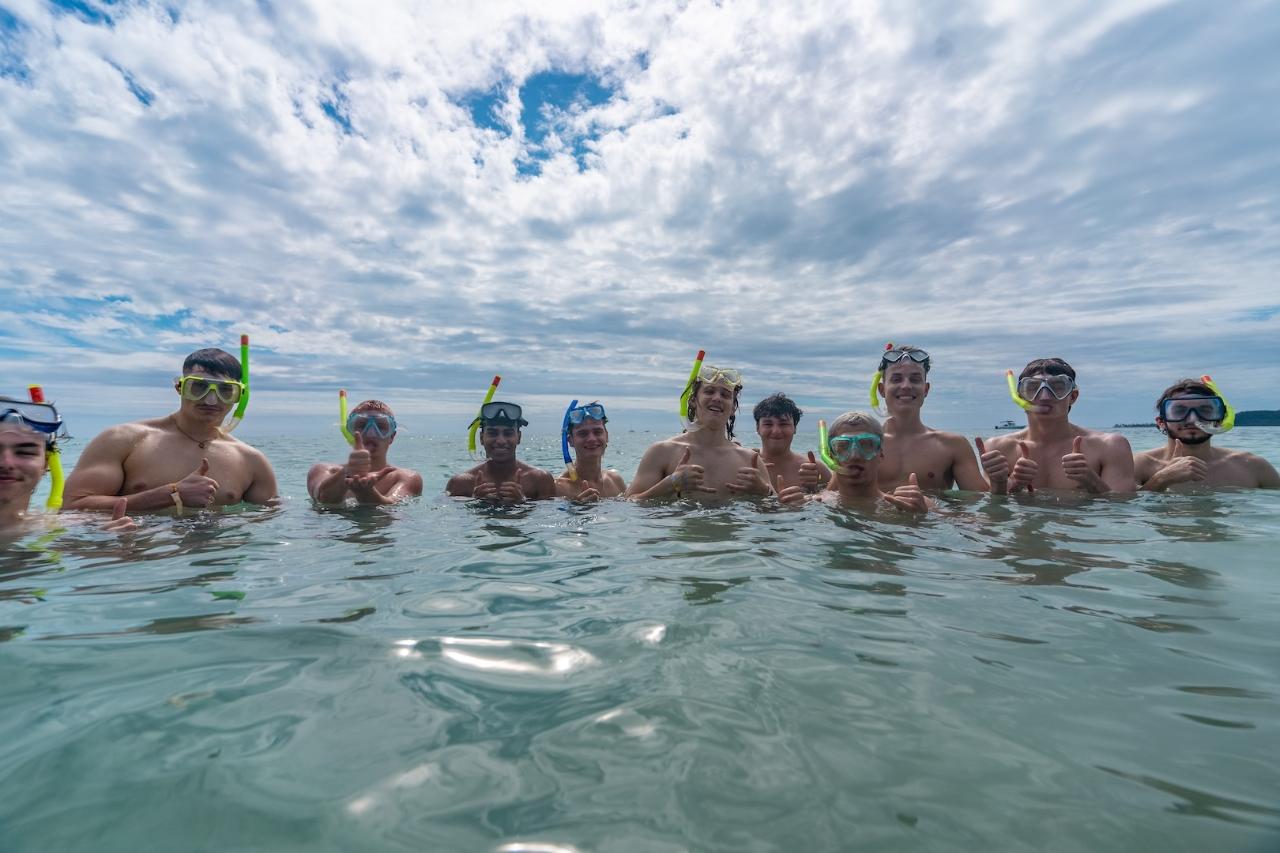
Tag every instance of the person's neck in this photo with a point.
(196, 430)
(588, 468)
(904, 421)
(13, 513)
(1203, 450)
(1041, 429)
(775, 455)
(378, 460)
(708, 436)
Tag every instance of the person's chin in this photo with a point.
(1194, 438)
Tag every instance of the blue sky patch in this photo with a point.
(144, 95)
(483, 108)
(90, 13)
(547, 100)
(338, 109)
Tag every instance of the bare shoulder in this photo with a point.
(952, 440)
(1112, 441)
(1006, 441)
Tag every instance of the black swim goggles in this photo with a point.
(1205, 409)
(893, 356)
(501, 413)
(40, 417)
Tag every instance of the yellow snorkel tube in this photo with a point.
(244, 380)
(875, 389)
(1025, 405)
(1229, 421)
(342, 417)
(688, 388)
(823, 451)
(475, 425)
(53, 457)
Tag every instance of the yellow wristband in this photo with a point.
(177, 498)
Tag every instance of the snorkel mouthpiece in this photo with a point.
(688, 388)
(1229, 421)
(342, 417)
(475, 425)
(244, 379)
(52, 456)
(564, 442)
(823, 450)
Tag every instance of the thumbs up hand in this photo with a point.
(909, 497)
(1076, 466)
(120, 523)
(810, 474)
(1024, 470)
(791, 495)
(359, 462)
(996, 467)
(751, 479)
(688, 477)
(197, 488)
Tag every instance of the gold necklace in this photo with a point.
(201, 444)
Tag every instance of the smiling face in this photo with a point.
(499, 441)
(776, 433)
(904, 386)
(589, 439)
(713, 405)
(22, 463)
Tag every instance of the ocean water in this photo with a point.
(1052, 673)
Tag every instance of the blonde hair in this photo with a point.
(857, 422)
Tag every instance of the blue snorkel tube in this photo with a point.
(564, 441)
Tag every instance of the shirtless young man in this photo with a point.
(184, 459)
(1187, 457)
(366, 477)
(501, 477)
(704, 461)
(856, 442)
(939, 459)
(585, 479)
(777, 417)
(28, 435)
(1052, 452)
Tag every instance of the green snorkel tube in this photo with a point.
(244, 380)
(825, 452)
(342, 417)
(1230, 420)
(53, 457)
(875, 392)
(688, 389)
(475, 425)
(1025, 405)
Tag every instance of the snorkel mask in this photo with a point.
(41, 417)
(475, 424)
(892, 355)
(1055, 382)
(196, 387)
(573, 416)
(1212, 415)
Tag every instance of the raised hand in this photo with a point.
(589, 493)
(1183, 469)
(197, 488)
(810, 475)
(359, 462)
(1076, 466)
(749, 480)
(909, 497)
(120, 523)
(995, 466)
(365, 487)
(687, 477)
(1024, 470)
(791, 495)
(483, 489)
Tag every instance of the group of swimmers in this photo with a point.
(189, 459)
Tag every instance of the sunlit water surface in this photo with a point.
(1047, 674)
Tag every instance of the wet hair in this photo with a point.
(777, 406)
(861, 421)
(926, 364)
(1049, 367)
(1184, 386)
(374, 406)
(215, 361)
(693, 405)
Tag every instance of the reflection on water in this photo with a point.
(1083, 674)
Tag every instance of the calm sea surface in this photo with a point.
(1030, 674)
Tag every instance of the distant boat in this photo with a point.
(1008, 425)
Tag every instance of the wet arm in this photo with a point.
(461, 485)
(651, 479)
(1117, 467)
(327, 483)
(1268, 478)
(263, 489)
(965, 467)
(98, 477)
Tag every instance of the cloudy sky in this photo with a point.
(406, 198)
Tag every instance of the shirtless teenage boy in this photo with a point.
(855, 442)
(1187, 457)
(939, 459)
(501, 477)
(586, 479)
(777, 417)
(704, 461)
(366, 477)
(1052, 452)
(184, 459)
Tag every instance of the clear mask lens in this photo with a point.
(862, 446)
(1060, 387)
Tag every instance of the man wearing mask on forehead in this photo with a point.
(1052, 452)
(366, 477)
(704, 461)
(938, 459)
(1190, 412)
